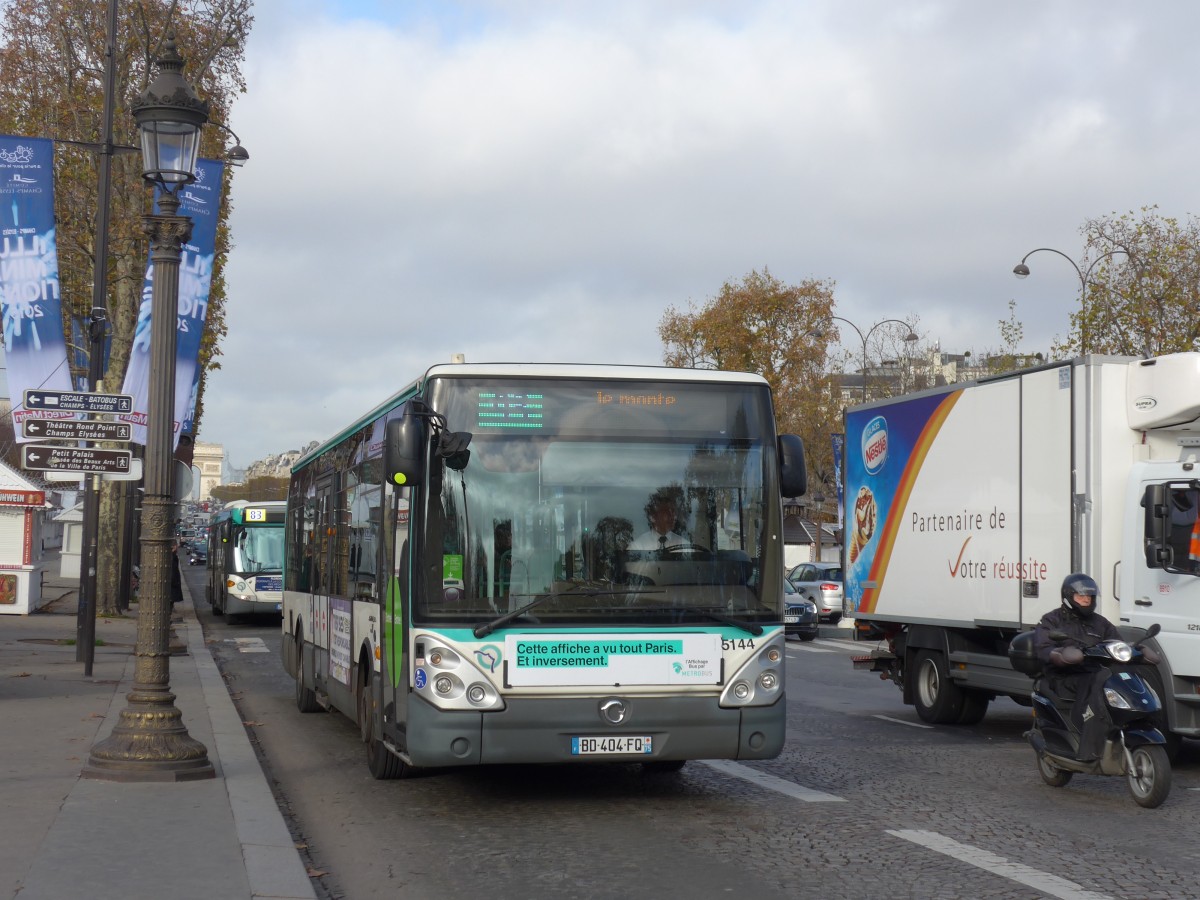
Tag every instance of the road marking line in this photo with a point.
(998, 865)
(770, 782)
(249, 645)
(841, 642)
(902, 722)
(809, 649)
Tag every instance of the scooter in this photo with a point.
(1134, 748)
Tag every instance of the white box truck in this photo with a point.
(967, 505)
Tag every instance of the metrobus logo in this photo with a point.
(875, 445)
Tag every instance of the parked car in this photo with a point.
(799, 614)
(822, 584)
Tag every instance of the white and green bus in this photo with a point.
(474, 576)
(245, 558)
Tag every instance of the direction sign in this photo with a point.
(74, 459)
(78, 401)
(134, 474)
(75, 430)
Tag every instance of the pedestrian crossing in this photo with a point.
(249, 645)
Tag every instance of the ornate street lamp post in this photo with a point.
(908, 338)
(150, 742)
(1022, 271)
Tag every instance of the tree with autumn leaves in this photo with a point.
(779, 331)
(1142, 291)
(52, 71)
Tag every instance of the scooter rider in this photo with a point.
(1062, 662)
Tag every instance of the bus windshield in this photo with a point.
(598, 514)
(257, 549)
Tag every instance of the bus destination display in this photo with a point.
(510, 409)
(584, 409)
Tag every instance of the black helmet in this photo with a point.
(1078, 583)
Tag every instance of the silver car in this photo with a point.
(822, 584)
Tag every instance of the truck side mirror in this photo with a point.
(1157, 527)
(404, 449)
(793, 476)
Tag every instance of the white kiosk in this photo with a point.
(22, 510)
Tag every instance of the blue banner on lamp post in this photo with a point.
(199, 201)
(30, 298)
(839, 441)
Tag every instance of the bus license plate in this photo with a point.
(602, 746)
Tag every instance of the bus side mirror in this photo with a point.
(404, 450)
(793, 476)
(1158, 518)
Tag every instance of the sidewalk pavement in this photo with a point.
(64, 837)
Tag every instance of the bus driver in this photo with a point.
(661, 513)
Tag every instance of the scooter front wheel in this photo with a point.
(1052, 774)
(1150, 777)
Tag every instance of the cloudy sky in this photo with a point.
(523, 180)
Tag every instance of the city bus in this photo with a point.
(465, 578)
(245, 558)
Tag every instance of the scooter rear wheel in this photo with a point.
(1052, 774)
(1150, 777)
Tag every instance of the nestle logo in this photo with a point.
(875, 444)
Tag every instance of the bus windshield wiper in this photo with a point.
(487, 628)
(749, 627)
(500, 621)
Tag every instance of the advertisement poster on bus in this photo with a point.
(30, 297)
(199, 201)
(339, 639)
(600, 659)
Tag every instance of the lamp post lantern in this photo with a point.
(908, 338)
(1021, 270)
(150, 742)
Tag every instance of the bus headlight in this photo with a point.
(454, 681)
(759, 682)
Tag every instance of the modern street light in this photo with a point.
(150, 742)
(908, 338)
(1022, 271)
(237, 154)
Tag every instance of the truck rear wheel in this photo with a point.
(974, 708)
(938, 700)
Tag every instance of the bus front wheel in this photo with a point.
(381, 762)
